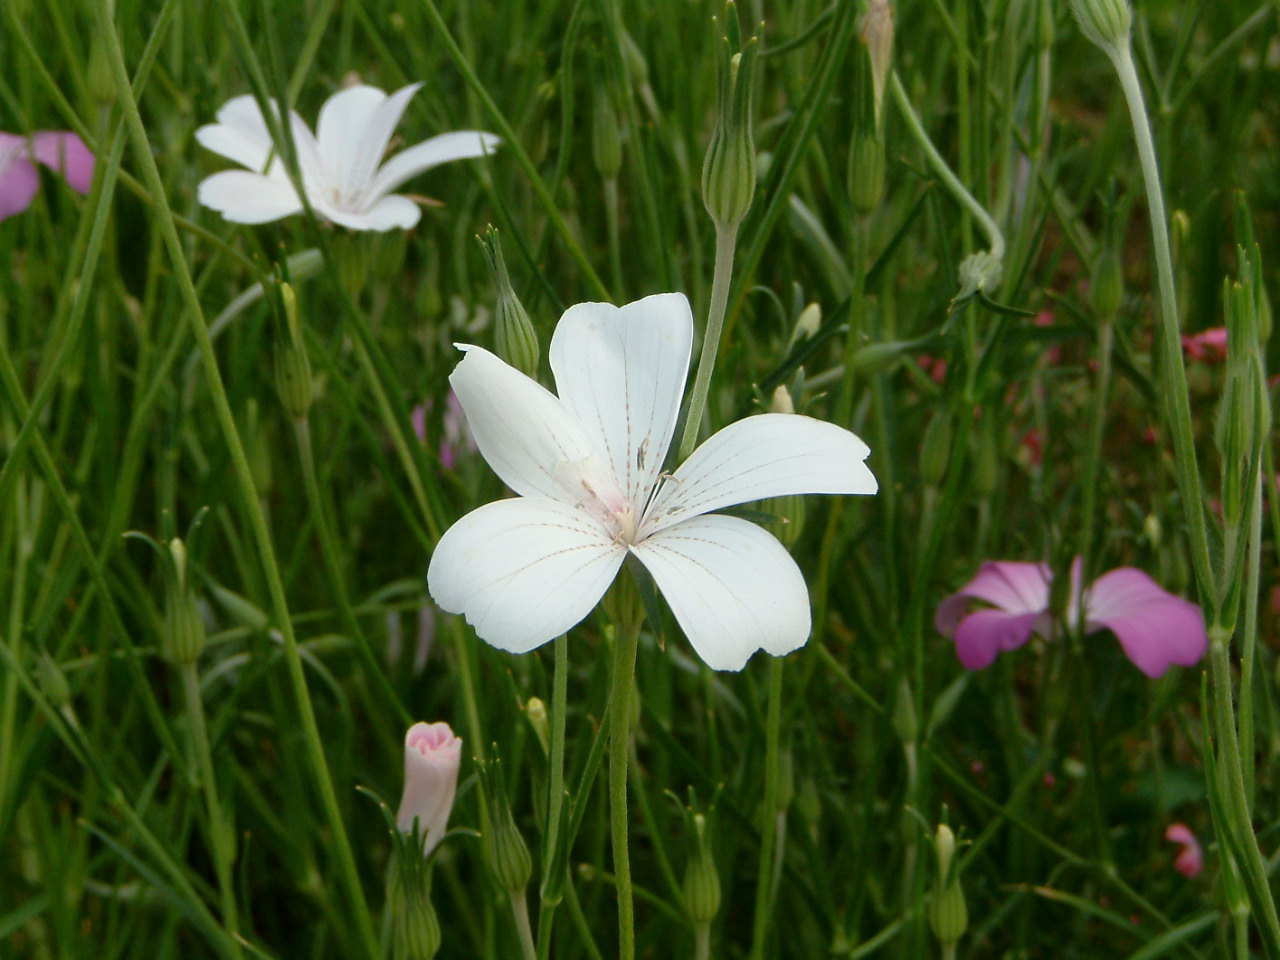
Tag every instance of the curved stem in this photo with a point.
(726, 241)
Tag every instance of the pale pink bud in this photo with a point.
(432, 756)
(1190, 860)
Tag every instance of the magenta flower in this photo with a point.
(1190, 859)
(1155, 628)
(1207, 345)
(58, 150)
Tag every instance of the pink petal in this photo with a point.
(985, 633)
(1012, 586)
(1155, 628)
(1190, 859)
(65, 152)
(18, 183)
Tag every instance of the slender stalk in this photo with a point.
(624, 668)
(726, 241)
(313, 745)
(702, 942)
(1093, 454)
(1169, 344)
(520, 910)
(555, 795)
(769, 827)
(223, 855)
(611, 224)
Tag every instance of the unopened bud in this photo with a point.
(606, 145)
(790, 509)
(505, 852)
(866, 171)
(979, 273)
(807, 324)
(729, 170)
(905, 721)
(701, 888)
(877, 34)
(948, 914)
(101, 84)
(52, 681)
(935, 449)
(415, 928)
(986, 462)
(515, 340)
(536, 711)
(183, 633)
(1105, 22)
(1108, 283)
(293, 368)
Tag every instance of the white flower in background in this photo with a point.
(341, 163)
(587, 466)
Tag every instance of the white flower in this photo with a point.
(587, 466)
(341, 167)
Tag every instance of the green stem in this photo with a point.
(520, 910)
(1093, 455)
(702, 941)
(768, 830)
(313, 745)
(726, 241)
(958, 190)
(1169, 343)
(624, 668)
(555, 797)
(223, 853)
(329, 550)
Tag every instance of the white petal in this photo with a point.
(340, 130)
(769, 455)
(732, 586)
(622, 371)
(388, 213)
(369, 131)
(240, 134)
(531, 439)
(460, 145)
(523, 571)
(244, 197)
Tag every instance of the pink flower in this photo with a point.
(1190, 859)
(58, 150)
(1155, 628)
(432, 756)
(457, 436)
(1207, 345)
(935, 367)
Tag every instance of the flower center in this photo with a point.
(596, 492)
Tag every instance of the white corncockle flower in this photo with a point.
(587, 466)
(341, 163)
(432, 757)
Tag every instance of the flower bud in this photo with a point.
(1108, 283)
(877, 34)
(979, 273)
(415, 928)
(905, 721)
(101, 84)
(183, 637)
(935, 449)
(986, 462)
(701, 888)
(729, 170)
(866, 171)
(536, 711)
(293, 368)
(948, 913)
(432, 756)
(789, 510)
(606, 145)
(1105, 22)
(52, 681)
(515, 340)
(807, 324)
(505, 852)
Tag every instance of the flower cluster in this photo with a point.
(1155, 628)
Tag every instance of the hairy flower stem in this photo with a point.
(624, 668)
(329, 550)
(1178, 414)
(216, 836)
(313, 746)
(769, 826)
(695, 413)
